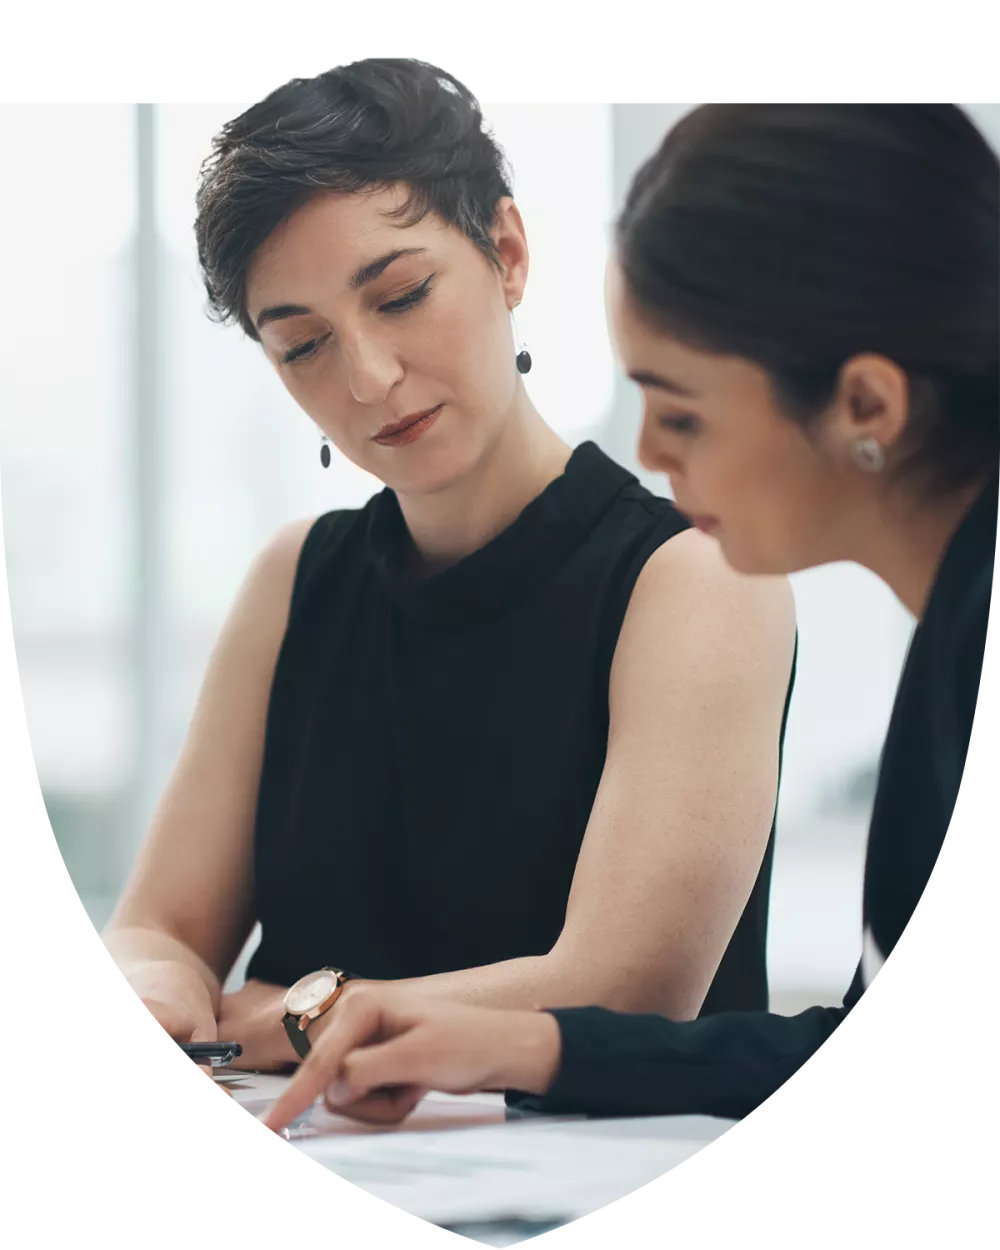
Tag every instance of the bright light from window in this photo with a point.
(561, 157)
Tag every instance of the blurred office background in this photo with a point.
(146, 453)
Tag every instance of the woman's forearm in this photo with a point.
(553, 980)
(519, 983)
(134, 948)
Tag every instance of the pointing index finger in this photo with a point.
(356, 1019)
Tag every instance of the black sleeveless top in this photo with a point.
(433, 747)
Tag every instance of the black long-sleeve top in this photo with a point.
(727, 1064)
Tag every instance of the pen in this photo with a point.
(214, 1054)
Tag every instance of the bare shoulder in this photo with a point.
(276, 562)
(260, 612)
(687, 578)
(692, 621)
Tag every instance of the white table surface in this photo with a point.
(464, 1163)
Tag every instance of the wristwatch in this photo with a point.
(307, 999)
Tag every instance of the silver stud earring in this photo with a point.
(324, 452)
(523, 357)
(868, 455)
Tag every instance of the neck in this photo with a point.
(450, 524)
(906, 542)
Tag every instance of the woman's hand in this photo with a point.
(178, 999)
(252, 1016)
(383, 1048)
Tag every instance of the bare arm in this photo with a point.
(687, 799)
(186, 910)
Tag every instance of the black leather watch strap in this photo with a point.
(298, 1036)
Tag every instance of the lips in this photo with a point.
(704, 523)
(388, 431)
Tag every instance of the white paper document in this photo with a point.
(458, 1159)
(571, 1171)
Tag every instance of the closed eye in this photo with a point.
(683, 424)
(410, 298)
(301, 350)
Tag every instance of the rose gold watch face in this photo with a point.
(311, 992)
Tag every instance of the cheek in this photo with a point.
(760, 490)
(461, 347)
(472, 354)
(325, 400)
(768, 500)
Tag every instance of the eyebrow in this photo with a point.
(662, 384)
(362, 277)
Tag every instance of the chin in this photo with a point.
(429, 471)
(752, 563)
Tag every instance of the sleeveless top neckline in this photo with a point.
(509, 566)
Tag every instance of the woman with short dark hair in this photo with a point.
(511, 732)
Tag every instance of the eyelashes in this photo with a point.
(410, 298)
(302, 351)
(685, 424)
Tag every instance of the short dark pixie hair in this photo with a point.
(357, 128)
(799, 235)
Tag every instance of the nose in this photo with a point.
(655, 453)
(373, 369)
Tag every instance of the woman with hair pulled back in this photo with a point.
(809, 297)
(510, 733)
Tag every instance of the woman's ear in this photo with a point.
(511, 246)
(872, 402)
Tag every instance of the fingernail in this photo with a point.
(336, 1091)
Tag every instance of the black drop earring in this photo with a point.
(324, 453)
